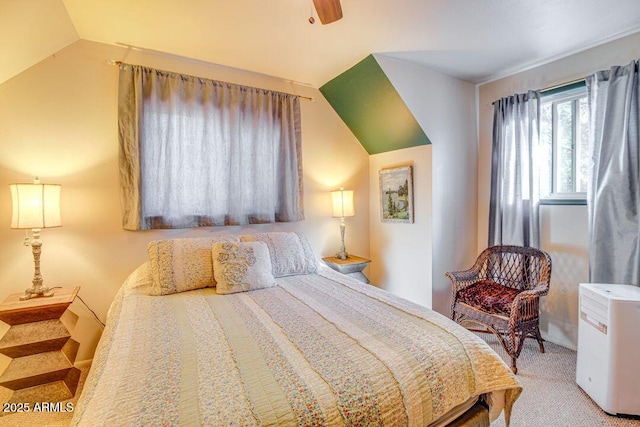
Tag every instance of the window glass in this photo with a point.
(546, 149)
(564, 147)
(564, 144)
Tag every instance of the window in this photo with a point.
(196, 152)
(564, 141)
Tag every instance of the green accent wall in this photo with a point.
(369, 105)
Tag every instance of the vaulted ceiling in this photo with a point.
(474, 40)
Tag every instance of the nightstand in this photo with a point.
(352, 266)
(38, 341)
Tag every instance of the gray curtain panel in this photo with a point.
(515, 179)
(613, 193)
(197, 152)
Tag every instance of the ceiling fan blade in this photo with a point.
(328, 10)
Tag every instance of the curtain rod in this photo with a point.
(118, 63)
(546, 89)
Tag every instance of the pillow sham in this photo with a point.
(179, 265)
(242, 266)
(290, 252)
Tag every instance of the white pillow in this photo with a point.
(290, 252)
(241, 266)
(179, 265)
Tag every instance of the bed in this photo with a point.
(311, 348)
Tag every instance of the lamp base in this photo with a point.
(342, 255)
(36, 292)
(38, 289)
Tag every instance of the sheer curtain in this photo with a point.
(515, 196)
(197, 152)
(613, 194)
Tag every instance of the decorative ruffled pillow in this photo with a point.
(179, 265)
(290, 252)
(242, 266)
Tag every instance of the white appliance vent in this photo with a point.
(608, 346)
(594, 309)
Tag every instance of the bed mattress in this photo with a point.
(316, 350)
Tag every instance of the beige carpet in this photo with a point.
(551, 397)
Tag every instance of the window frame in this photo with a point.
(244, 126)
(572, 93)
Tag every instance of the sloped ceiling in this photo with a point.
(369, 105)
(30, 31)
(472, 40)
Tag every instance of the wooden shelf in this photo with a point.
(351, 266)
(38, 337)
(13, 311)
(39, 341)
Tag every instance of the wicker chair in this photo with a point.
(501, 292)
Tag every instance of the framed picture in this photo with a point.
(396, 194)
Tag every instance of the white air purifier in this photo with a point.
(608, 367)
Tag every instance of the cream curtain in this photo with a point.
(197, 152)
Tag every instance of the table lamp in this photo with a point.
(342, 208)
(34, 207)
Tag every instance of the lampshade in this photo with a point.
(343, 203)
(35, 205)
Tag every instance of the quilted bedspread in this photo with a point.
(316, 350)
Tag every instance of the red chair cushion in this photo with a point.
(489, 296)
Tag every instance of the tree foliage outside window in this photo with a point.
(564, 144)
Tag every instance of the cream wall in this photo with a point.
(563, 228)
(58, 120)
(401, 253)
(445, 107)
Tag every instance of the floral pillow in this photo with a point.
(290, 253)
(241, 266)
(179, 265)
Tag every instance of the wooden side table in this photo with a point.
(39, 341)
(352, 266)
